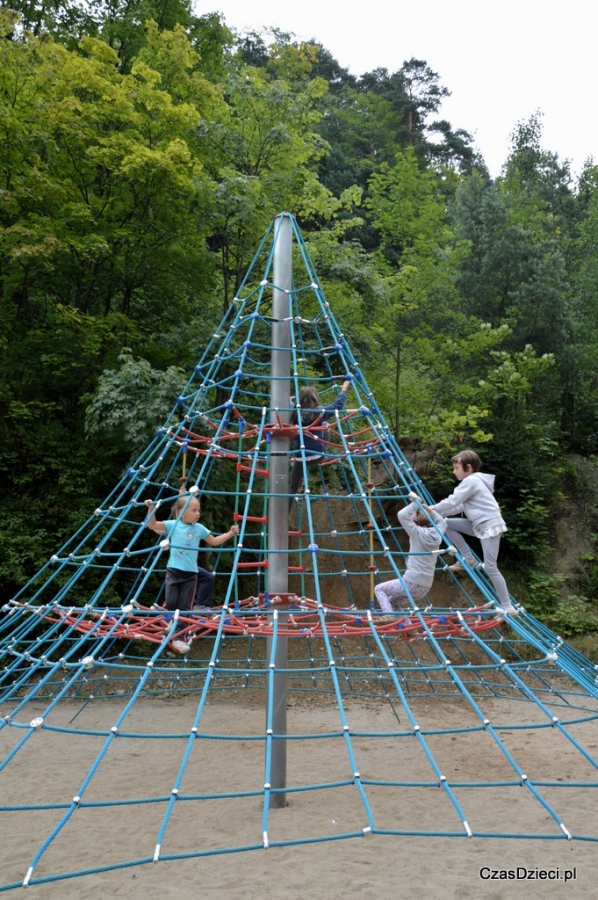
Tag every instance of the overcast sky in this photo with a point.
(501, 60)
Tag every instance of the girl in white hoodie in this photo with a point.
(474, 497)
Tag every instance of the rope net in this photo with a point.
(88, 649)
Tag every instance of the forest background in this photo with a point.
(143, 153)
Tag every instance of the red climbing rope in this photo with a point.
(298, 617)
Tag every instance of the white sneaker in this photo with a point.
(508, 610)
(457, 567)
(180, 646)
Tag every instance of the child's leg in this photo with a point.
(390, 595)
(205, 588)
(416, 590)
(297, 475)
(171, 593)
(179, 590)
(455, 528)
(490, 548)
(296, 478)
(186, 593)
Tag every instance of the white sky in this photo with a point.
(501, 59)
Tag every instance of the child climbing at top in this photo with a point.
(424, 539)
(312, 412)
(474, 496)
(184, 533)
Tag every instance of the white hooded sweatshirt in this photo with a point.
(474, 496)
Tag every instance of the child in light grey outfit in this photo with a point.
(419, 572)
(474, 496)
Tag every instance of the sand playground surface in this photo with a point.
(142, 765)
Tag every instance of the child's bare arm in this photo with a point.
(214, 540)
(152, 523)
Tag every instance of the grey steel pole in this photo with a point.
(278, 502)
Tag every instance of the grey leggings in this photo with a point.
(490, 547)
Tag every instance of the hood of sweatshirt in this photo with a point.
(487, 479)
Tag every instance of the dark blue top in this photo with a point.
(313, 444)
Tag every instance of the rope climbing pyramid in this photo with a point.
(117, 707)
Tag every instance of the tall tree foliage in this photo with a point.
(261, 154)
(100, 234)
(120, 23)
(580, 394)
(516, 272)
(419, 254)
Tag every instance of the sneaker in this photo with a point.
(508, 610)
(202, 609)
(457, 567)
(180, 646)
(384, 620)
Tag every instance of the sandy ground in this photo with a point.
(53, 766)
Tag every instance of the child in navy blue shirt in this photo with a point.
(312, 413)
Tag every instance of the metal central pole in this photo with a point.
(278, 503)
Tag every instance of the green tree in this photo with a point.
(120, 23)
(516, 272)
(101, 183)
(67, 21)
(102, 244)
(408, 211)
(580, 395)
(131, 402)
(262, 155)
(369, 119)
